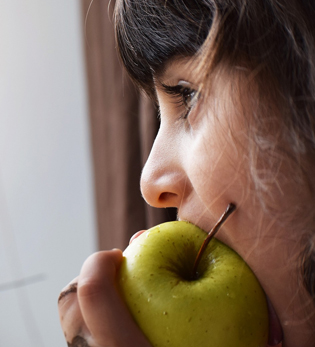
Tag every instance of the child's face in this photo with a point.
(199, 163)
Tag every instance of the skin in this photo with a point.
(96, 311)
(199, 165)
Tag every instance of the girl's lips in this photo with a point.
(275, 329)
(136, 235)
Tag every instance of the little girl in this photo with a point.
(234, 82)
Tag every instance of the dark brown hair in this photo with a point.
(275, 39)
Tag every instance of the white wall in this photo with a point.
(47, 225)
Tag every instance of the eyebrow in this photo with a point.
(160, 73)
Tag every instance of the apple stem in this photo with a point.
(229, 210)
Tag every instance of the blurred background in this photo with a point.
(47, 210)
(74, 134)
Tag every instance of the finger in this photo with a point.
(103, 310)
(70, 316)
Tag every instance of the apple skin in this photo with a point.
(224, 307)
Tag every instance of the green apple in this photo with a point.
(222, 306)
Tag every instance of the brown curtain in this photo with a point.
(123, 125)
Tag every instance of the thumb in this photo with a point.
(103, 310)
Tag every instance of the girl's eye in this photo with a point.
(188, 96)
(183, 95)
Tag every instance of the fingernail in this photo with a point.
(71, 289)
(136, 235)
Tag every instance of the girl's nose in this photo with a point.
(163, 180)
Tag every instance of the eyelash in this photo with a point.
(185, 97)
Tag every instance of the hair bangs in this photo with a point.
(150, 32)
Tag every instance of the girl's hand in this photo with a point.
(92, 314)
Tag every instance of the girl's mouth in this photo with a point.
(275, 329)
